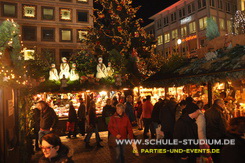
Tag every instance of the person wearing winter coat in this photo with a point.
(235, 152)
(155, 114)
(186, 128)
(72, 120)
(120, 128)
(179, 109)
(216, 126)
(81, 117)
(201, 122)
(129, 109)
(93, 124)
(53, 150)
(48, 119)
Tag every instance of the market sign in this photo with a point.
(189, 38)
(186, 20)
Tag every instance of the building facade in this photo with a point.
(181, 28)
(49, 27)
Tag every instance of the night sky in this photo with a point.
(151, 7)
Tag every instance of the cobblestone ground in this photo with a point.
(102, 155)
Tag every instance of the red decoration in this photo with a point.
(101, 16)
(136, 34)
(119, 8)
(119, 28)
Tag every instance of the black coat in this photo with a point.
(215, 123)
(186, 128)
(72, 116)
(48, 118)
(108, 111)
(93, 120)
(167, 117)
(156, 112)
(81, 111)
(234, 153)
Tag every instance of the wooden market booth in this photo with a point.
(224, 72)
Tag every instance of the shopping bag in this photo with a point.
(135, 149)
(159, 132)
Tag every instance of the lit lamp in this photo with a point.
(179, 41)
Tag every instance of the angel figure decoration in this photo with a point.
(53, 73)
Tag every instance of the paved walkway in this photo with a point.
(102, 155)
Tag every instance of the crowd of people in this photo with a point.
(184, 120)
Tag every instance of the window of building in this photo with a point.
(29, 54)
(65, 14)
(66, 53)
(165, 21)
(229, 26)
(49, 54)
(173, 17)
(159, 40)
(221, 24)
(214, 18)
(166, 37)
(191, 8)
(29, 33)
(201, 4)
(212, 3)
(9, 9)
(174, 34)
(220, 4)
(228, 7)
(180, 13)
(65, 0)
(82, 1)
(47, 13)
(159, 24)
(81, 34)
(48, 34)
(203, 23)
(29, 11)
(183, 31)
(183, 11)
(82, 16)
(192, 27)
(65, 35)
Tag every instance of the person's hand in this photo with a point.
(118, 136)
(184, 158)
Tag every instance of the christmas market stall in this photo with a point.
(219, 74)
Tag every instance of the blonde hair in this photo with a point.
(120, 105)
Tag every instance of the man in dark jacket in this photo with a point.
(81, 117)
(216, 125)
(155, 114)
(129, 109)
(186, 128)
(48, 119)
(72, 119)
(167, 118)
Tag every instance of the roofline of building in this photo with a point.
(168, 8)
(148, 25)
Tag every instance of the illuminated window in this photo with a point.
(174, 34)
(47, 13)
(29, 54)
(65, 14)
(82, 16)
(222, 24)
(29, 33)
(214, 18)
(66, 35)
(48, 34)
(29, 11)
(229, 26)
(192, 27)
(166, 37)
(159, 40)
(183, 31)
(81, 34)
(203, 23)
(82, 1)
(9, 9)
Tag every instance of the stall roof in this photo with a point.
(229, 64)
